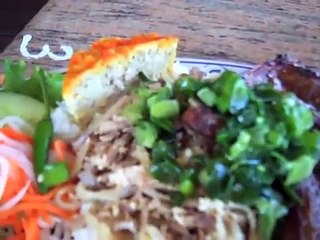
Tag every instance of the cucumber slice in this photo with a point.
(27, 108)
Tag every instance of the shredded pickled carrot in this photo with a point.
(31, 226)
(16, 135)
(23, 217)
(61, 148)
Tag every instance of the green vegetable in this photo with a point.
(214, 178)
(54, 174)
(41, 143)
(271, 194)
(165, 109)
(187, 187)
(144, 92)
(265, 147)
(189, 174)
(207, 96)
(240, 145)
(13, 104)
(299, 169)
(266, 93)
(165, 124)
(310, 143)
(254, 174)
(163, 94)
(15, 81)
(248, 115)
(167, 172)
(187, 86)
(297, 117)
(145, 134)
(42, 137)
(245, 193)
(231, 91)
(134, 111)
(258, 134)
(163, 151)
(277, 136)
(269, 212)
(280, 163)
(290, 192)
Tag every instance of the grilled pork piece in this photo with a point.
(289, 74)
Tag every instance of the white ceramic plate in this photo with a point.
(213, 66)
(207, 66)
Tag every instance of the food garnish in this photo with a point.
(29, 179)
(16, 81)
(261, 141)
(21, 204)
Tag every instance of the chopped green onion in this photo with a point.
(207, 96)
(240, 145)
(214, 178)
(187, 187)
(232, 92)
(264, 129)
(144, 92)
(165, 109)
(245, 192)
(275, 138)
(165, 124)
(163, 94)
(300, 169)
(145, 134)
(269, 212)
(187, 86)
(134, 111)
(266, 92)
(310, 142)
(298, 117)
(248, 115)
(163, 151)
(167, 172)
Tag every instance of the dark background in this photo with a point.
(14, 15)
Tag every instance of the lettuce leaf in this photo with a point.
(16, 81)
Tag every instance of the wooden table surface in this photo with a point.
(238, 30)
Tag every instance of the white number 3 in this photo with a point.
(68, 51)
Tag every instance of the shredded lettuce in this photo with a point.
(16, 81)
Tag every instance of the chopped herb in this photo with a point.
(266, 139)
(146, 134)
(165, 109)
(231, 91)
(299, 169)
(207, 96)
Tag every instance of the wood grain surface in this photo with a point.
(240, 30)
